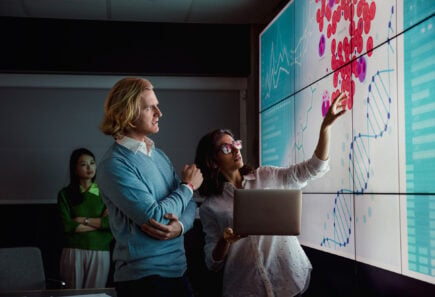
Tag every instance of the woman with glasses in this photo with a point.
(254, 265)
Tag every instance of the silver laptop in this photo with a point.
(267, 212)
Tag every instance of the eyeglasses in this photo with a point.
(227, 148)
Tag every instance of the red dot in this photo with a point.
(367, 27)
(328, 31)
(318, 15)
(321, 25)
(335, 81)
(348, 71)
(355, 67)
(333, 45)
(333, 63)
(334, 27)
(369, 46)
(360, 26)
(365, 10)
(328, 13)
(352, 43)
(372, 10)
(359, 9)
(359, 45)
(346, 13)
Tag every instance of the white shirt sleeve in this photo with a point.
(293, 177)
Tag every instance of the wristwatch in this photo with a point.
(86, 221)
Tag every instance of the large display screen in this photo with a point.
(377, 203)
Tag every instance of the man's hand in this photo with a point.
(192, 175)
(163, 232)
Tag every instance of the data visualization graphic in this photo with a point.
(277, 59)
(275, 123)
(377, 203)
(417, 113)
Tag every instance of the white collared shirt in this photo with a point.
(146, 146)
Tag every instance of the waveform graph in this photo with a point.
(277, 134)
(336, 227)
(277, 59)
(311, 105)
(317, 25)
(374, 147)
(375, 245)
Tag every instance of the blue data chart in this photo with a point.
(277, 134)
(421, 234)
(415, 11)
(419, 114)
(277, 59)
(419, 68)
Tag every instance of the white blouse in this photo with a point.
(260, 265)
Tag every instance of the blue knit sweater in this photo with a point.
(135, 188)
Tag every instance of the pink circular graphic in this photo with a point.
(325, 102)
(331, 3)
(322, 45)
(362, 68)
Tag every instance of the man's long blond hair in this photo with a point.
(122, 106)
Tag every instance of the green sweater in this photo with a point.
(91, 207)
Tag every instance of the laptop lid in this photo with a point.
(267, 211)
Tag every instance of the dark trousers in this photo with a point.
(155, 286)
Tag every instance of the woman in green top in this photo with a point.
(85, 258)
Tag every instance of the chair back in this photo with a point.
(21, 268)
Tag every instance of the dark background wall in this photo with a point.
(34, 46)
(72, 46)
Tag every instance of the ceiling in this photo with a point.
(170, 11)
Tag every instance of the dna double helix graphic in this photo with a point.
(378, 117)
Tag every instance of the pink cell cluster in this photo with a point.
(357, 15)
(325, 102)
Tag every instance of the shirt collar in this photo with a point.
(135, 146)
(93, 189)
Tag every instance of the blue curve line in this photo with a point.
(378, 117)
(300, 147)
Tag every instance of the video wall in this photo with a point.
(377, 203)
